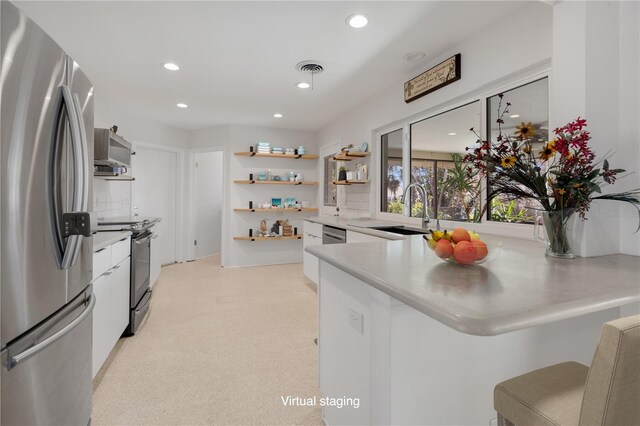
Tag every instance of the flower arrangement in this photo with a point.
(562, 175)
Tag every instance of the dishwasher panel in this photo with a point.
(332, 235)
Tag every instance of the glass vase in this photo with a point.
(558, 227)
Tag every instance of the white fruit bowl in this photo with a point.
(494, 249)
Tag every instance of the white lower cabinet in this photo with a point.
(100, 322)
(111, 289)
(359, 237)
(310, 262)
(312, 237)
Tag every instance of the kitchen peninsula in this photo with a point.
(421, 341)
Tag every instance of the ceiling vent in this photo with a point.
(310, 67)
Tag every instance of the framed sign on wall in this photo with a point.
(446, 72)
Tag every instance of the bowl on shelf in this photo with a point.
(464, 252)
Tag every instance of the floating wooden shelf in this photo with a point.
(348, 156)
(294, 156)
(350, 182)
(287, 210)
(293, 237)
(272, 182)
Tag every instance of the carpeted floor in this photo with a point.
(220, 346)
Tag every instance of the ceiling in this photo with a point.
(238, 58)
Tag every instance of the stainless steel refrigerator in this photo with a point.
(46, 297)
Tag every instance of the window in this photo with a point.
(330, 173)
(392, 178)
(431, 155)
(529, 103)
(437, 146)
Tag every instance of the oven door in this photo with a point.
(140, 267)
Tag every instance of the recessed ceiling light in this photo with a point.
(277, 115)
(303, 85)
(451, 134)
(514, 116)
(171, 67)
(414, 56)
(181, 105)
(357, 21)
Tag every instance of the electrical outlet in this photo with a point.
(356, 320)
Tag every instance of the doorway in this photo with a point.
(155, 194)
(208, 197)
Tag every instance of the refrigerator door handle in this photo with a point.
(72, 248)
(84, 156)
(82, 168)
(15, 360)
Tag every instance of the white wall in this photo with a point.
(500, 53)
(137, 129)
(595, 76)
(238, 138)
(629, 108)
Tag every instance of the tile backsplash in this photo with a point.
(357, 197)
(111, 198)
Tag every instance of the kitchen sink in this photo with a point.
(403, 230)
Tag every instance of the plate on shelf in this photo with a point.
(364, 147)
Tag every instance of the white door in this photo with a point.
(207, 189)
(155, 194)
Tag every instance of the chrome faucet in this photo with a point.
(425, 216)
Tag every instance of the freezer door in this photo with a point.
(80, 272)
(33, 66)
(46, 374)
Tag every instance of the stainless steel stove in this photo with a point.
(140, 289)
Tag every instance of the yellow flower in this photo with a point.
(508, 162)
(525, 131)
(561, 191)
(577, 185)
(548, 151)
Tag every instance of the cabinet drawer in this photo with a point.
(120, 251)
(101, 261)
(312, 228)
(359, 237)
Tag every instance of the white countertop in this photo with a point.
(519, 288)
(104, 239)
